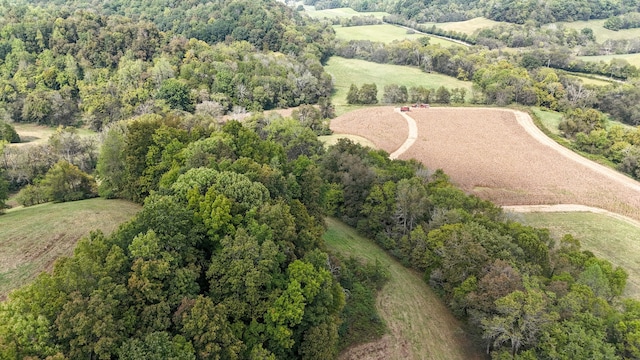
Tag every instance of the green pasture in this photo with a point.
(599, 31)
(549, 119)
(410, 308)
(633, 59)
(340, 13)
(352, 71)
(607, 237)
(595, 80)
(385, 33)
(39, 134)
(468, 26)
(32, 238)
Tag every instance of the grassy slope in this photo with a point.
(32, 238)
(329, 140)
(412, 311)
(599, 31)
(468, 27)
(550, 119)
(351, 71)
(609, 238)
(633, 59)
(39, 134)
(383, 33)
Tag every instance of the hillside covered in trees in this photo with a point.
(71, 64)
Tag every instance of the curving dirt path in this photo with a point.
(412, 136)
(529, 126)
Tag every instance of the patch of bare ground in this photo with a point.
(384, 127)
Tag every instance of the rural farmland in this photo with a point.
(489, 153)
(385, 33)
(353, 71)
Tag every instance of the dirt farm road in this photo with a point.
(412, 136)
(527, 123)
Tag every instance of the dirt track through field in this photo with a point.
(412, 136)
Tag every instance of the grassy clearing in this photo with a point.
(599, 31)
(329, 140)
(340, 13)
(381, 33)
(607, 237)
(421, 326)
(468, 26)
(351, 71)
(633, 59)
(384, 33)
(591, 79)
(32, 238)
(550, 119)
(39, 134)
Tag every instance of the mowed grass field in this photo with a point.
(633, 59)
(384, 33)
(468, 26)
(352, 71)
(609, 238)
(591, 79)
(38, 134)
(32, 238)
(549, 119)
(420, 325)
(599, 31)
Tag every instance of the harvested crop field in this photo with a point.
(384, 127)
(498, 155)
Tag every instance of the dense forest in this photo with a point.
(226, 258)
(65, 66)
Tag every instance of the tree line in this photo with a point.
(226, 258)
(399, 94)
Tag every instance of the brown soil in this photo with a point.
(383, 126)
(500, 157)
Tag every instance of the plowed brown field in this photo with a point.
(386, 128)
(488, 152)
